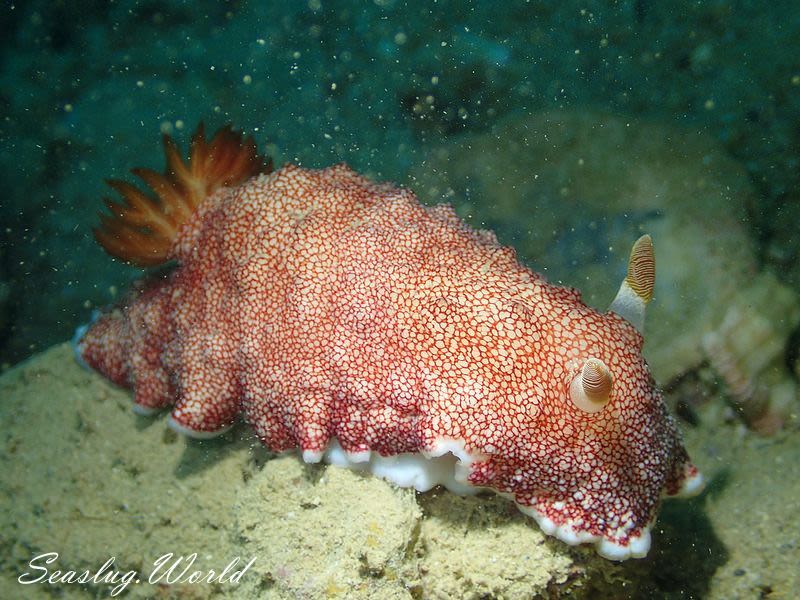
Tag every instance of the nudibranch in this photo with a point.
(342, 318)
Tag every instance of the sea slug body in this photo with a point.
(343, 318)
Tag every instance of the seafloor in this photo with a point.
(569, 128)
(85, 477)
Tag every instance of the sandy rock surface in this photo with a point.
(86, 478)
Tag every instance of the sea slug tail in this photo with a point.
(142, 227)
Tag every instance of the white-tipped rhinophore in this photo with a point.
(637, 287)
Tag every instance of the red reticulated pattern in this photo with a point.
(318, 304)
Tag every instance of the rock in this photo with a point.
(321, 532)
(748, 351)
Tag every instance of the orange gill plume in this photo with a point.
(142, 227)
